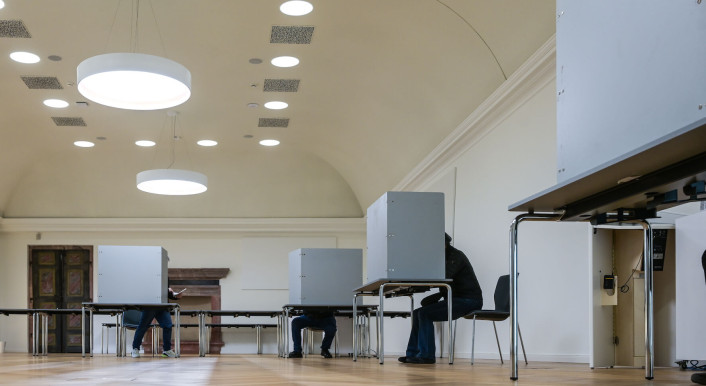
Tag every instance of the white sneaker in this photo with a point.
(135, 352)
(169, 354)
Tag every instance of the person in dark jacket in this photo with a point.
(323, 320)
(466, 297)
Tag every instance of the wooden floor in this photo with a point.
(64, 369)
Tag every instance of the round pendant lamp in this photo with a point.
(134, 81)
(172, 182)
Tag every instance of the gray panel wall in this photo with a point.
(628, 72)
(132, 274)
(405, 233)
(324, 276)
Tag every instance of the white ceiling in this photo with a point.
(382, 83)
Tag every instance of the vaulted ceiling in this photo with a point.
(380, 85)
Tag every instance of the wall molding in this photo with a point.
(237, 225)
(523, 84)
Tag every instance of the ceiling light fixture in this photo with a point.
(296, 8)
(84, 144)
(276, 105)
(285, 61)
(207, 142)
(24, 57)
(2, 4)
(172, 182)
(269, 142)
(56, 103)
(145, 143)
(134, 81)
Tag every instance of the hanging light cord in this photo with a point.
(174, 138)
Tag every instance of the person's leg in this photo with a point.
(412, 344)
(439, 312)
(297, 325)
(329, 327)
(145, 321)
(164, 318)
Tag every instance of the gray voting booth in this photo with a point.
(406, 236)
(132, 274)
(324, 276)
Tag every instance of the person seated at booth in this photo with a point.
(164, 318)
(466, 294)
(323, 320)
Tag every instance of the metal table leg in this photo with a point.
(177, 336)
(513, 282)
(355, 327)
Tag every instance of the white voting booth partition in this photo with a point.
(405, 233)
(691, 287)
(132, 274)
(324, 276)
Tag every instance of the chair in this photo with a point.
(500, 313)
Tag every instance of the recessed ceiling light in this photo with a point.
(84, 144)
(56, 103)
(24, 57)
(285, 61)
(276, 105)
(296, 8)
(145, 143)
(269, 142)
(207, 142)
(2, 4)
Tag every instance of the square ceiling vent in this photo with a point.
(273, 122)
(281, 85)
(42, 82)
(69, 121)
(13, 29)
(291, 34)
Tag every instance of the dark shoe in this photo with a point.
(699, 378)
(325, 353)
(402, 359)
(295, 354)
(421, 361)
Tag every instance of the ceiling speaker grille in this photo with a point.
(42, 82)
(273, 122)
(13, 29)
(281, 85)
(69, 121)
(291, 34)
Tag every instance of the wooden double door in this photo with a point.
(61, 277)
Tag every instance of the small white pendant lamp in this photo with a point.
(172, 182)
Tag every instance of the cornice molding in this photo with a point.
(523, 84)
(238, 225)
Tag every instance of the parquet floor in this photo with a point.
(71, 369)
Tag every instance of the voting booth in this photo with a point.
(324, 276)
(132, 274)
(405, 234)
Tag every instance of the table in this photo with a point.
(299, 309)
(39, 327)
(399, 287)
(631, 188)
(118, 309)
(202, 314)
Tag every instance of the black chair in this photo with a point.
(500, 313)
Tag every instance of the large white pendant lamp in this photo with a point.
(134, 81)
(171, 182)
